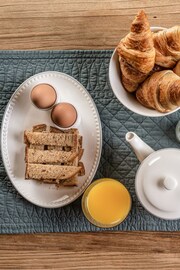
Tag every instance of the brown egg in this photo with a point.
(43, 96)
(64, 115)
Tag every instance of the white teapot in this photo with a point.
(157, 180)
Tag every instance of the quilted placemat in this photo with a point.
(118, 161)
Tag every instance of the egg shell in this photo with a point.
(64, 115)
(43, 96)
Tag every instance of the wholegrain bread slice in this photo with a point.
(47, 138)
(78, 148)
(47, 171)
(67, 182)
(73, 180)
(36, 146)
(54, 162)
(49, 156)
(82, 171)
(36, 128)
(68, 131)
(39, 128)
(80, 153)
(55, 147)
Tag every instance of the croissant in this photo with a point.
(136, 53)
(167, 45)
(160, 91)
(177, 69)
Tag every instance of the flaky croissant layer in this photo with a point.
(136, 53)
(177, 68)
(161, 91)
(167, 45)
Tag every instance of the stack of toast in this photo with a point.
(53, 156)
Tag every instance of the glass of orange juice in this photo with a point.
(106, 203)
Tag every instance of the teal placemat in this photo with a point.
(118, 161)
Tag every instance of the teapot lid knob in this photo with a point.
(170, 183)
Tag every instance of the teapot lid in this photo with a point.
(158, 183)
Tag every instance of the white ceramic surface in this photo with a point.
(20, 115)
(126, 98)
(159, 196)
(178, 131)
(157, 180)
(140, 148)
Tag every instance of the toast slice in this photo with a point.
(73, 181)
(77, 148)
(48, 171)
(37, 128)
(46, 138)
(49, 156)
(60, 150)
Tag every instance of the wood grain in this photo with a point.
(128, 250)
(76, 24)
(80, 24)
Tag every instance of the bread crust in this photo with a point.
(53, 155)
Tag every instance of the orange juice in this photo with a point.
(106, 202)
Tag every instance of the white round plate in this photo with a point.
(126, 98)
(20, 115)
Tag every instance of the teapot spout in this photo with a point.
(141, 149)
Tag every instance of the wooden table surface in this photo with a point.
(80, 24)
